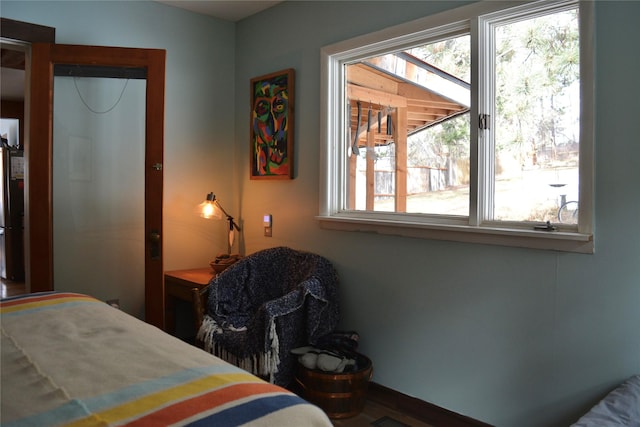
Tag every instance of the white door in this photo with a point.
(98, 188)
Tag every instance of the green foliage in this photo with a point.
(531, 103)
(451, 138)
(536, 65)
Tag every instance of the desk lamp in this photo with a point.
(212, 209)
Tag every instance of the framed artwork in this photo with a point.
(271, 150)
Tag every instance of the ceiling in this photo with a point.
(12, 74)
(232, 11)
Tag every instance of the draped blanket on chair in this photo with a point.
(265, 305)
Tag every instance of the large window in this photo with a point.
(472, 125)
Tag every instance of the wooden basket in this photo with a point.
(339, 395)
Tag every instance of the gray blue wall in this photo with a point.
(513, 337)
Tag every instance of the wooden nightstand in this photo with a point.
(187, 286)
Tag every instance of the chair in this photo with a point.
(267, 304)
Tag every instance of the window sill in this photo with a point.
(536, 239)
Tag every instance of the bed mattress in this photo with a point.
(70, 359)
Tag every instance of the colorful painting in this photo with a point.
(272, 126)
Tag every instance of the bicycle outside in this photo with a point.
(568, 212)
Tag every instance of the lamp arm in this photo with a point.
(232, 223)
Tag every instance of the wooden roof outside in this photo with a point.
(384, 107)
(377, 90)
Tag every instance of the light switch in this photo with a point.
(266, 222)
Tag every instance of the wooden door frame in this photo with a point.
(28, 33)
(40, 154)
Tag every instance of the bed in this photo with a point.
(70, 359)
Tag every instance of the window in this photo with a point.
(471, 125)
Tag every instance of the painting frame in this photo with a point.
(272, 126)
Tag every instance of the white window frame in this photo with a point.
(475, 18)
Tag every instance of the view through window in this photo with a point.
(537, 123)
(408, 129)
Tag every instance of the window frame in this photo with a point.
(475, 19)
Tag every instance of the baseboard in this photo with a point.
(419, 409)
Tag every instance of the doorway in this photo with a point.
(15, 44)
(39, 148)
(96, 61)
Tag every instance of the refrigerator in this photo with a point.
(12, 214)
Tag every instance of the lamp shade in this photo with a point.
(209, 209)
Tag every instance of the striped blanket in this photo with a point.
(71, 360)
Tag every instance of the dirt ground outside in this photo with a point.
(532, 194)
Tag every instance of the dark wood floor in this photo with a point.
(376, 414)
(385, 407)
(9, 288)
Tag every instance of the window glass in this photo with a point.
(408, 129)
(537, 118)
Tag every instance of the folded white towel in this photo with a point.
(313, 358)
(309, 360)
(328, 362)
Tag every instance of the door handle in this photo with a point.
(154, 244)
